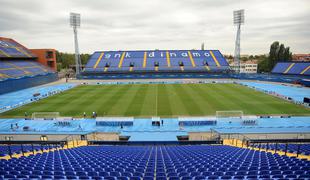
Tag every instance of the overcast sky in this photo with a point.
(157, 24)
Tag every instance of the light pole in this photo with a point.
(238, 20)
(75, 22)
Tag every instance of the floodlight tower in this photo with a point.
(75, 22)
(238, 20)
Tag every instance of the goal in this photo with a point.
(45, 115)
(229, 114)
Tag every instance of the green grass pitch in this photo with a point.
(166, 100)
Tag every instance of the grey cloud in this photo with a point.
(156, 24)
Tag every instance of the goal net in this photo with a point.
(229, 114)
(45, 115)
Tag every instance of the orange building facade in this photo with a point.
(301, 57)
(46, 57)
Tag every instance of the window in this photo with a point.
(43, 138)
(50, 64)
(49, 54)
(83, 137)
(8, 138)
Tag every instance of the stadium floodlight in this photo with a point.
(75, 22)
(238, 20)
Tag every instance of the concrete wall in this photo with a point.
(199, 136)
(103, 137)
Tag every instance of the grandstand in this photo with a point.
(21, 68)
(12, 49)
(295, 68)
(171, 64)
(19, 65)
(102, 62)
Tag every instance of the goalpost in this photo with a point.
(45, 115)
(229, 114)
(250, 120)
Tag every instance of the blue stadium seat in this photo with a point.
(165, 61)
(21, 68)
(141, 162)
(296, 68)
(11, 48)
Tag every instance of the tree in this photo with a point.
(243, 58)
(67, 59)
(287, 54)
(263, 64)
(273, 55)
(281, 53)
(278, 52)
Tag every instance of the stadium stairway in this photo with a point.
(4, 76)
(168, 59)
(121, 60)
(288, 69)
(239, 143)
(69, 145)
(144, 59)
(215, 60)
(191, 58)
(305, 70)
(98, 60)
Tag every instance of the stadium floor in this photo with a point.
(142, 130)
(165, 100)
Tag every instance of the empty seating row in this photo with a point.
(18, 149)
(156, 162)
(296, 68)
(291, 148)
(10, 48)
(171, 60)
(20, 68)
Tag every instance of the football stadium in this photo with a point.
(151, 114)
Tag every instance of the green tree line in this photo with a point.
(65, 60)
(278, 53)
